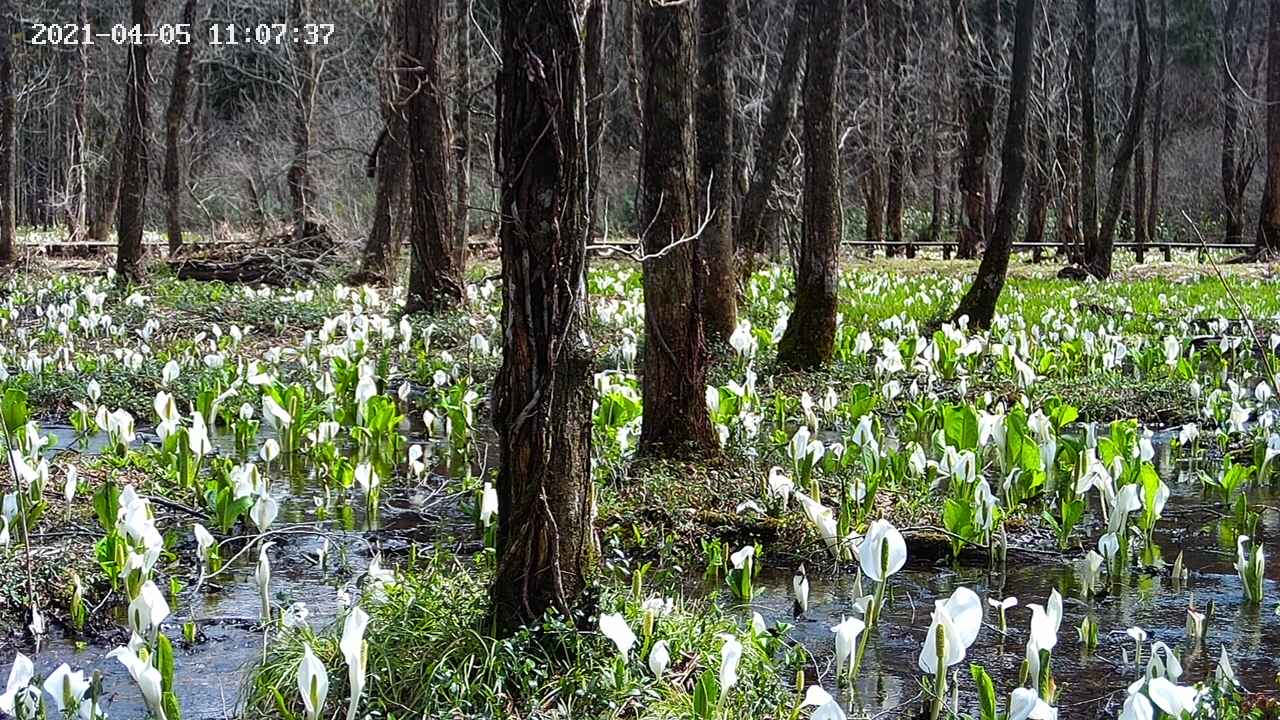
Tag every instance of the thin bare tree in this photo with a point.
(979, 303)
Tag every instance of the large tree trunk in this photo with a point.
(1086, 58)
(547, 547)
(773, 140)
(133, 181)
(435, 278)
(675, 356)
(1234, 175)
(178, 91)
(979, 304)
(716, 95)
(809, 340)
(977, 105)
(462, 121)
(301, 191)
(1157, 127)
(597, 100)
(1269, 221)
(1099, 259)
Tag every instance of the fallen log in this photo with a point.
(282, 261)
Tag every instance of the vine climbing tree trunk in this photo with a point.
(675, 421)
(809, 340)
(134, 156)
(979, 303)
(547, 547)
(715, 106)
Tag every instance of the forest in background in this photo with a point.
(922, 102)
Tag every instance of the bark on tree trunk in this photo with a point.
(462, 121)
(979, 304)
(304, 102)
(597, 14)
(435, 279)
(8, 135)
(773, 140)
(178, 92)
(1086, 49)
(675, 355)
(133, 182)
(1099, 259)
(716, 96)
(809, 340)
(547, 547)
(977, 103)
(1269, 221)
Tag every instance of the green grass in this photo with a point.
(429, 655)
